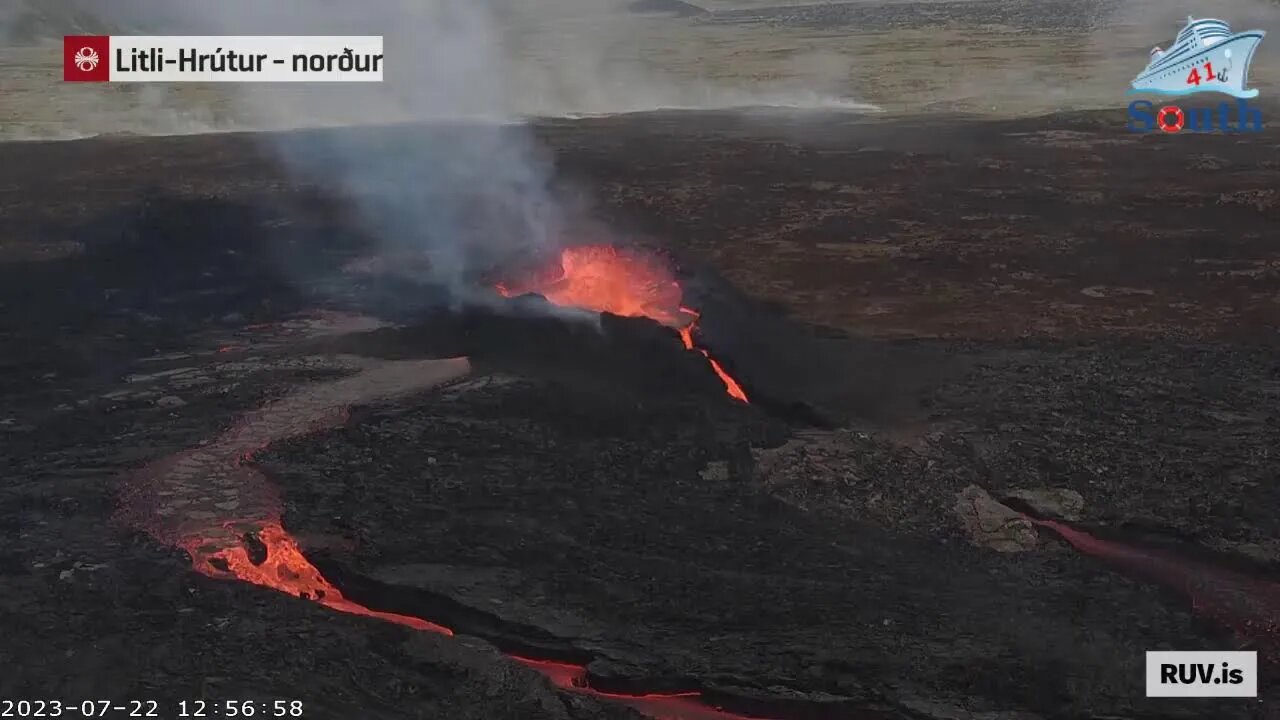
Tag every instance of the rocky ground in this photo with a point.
(939, 321)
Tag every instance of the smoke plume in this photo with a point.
(473, 190)
(464, 196)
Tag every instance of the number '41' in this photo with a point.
(1193, 78)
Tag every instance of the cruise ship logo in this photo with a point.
(1206, 57)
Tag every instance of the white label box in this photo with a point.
(1173, 673)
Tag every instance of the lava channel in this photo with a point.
(1249, 606)
(280, 565)
(211, 502)
(602, 278)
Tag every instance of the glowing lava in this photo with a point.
(284, 568)
(1249, 606)
(663, 706)
(212, 502)
(603, 278)
(686, 334)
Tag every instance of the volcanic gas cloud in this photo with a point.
(629, 283)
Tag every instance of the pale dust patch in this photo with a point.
(862, 251)
(715, 471)
(473, 383)
(1265, 551)
(1061, 503)
(1260, 199)
(992, 525)
(1207, 162)
(1071, 139)
(1083, 197)
(330, 322)
(1105, 291)
(38, 251)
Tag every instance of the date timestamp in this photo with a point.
(111, 709)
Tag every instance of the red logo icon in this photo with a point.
(86, 58)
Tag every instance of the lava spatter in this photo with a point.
(603, 278)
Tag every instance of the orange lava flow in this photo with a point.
(731, 386)
(287, 570)
(254, 547)
(663, 706)
(603, 278)
(1249, 606)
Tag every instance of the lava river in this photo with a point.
(603, 278)
(213, 503)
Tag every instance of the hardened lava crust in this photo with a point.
(1010, 422)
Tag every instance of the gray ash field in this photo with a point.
(941, 324)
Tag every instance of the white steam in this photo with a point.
(468, 195)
